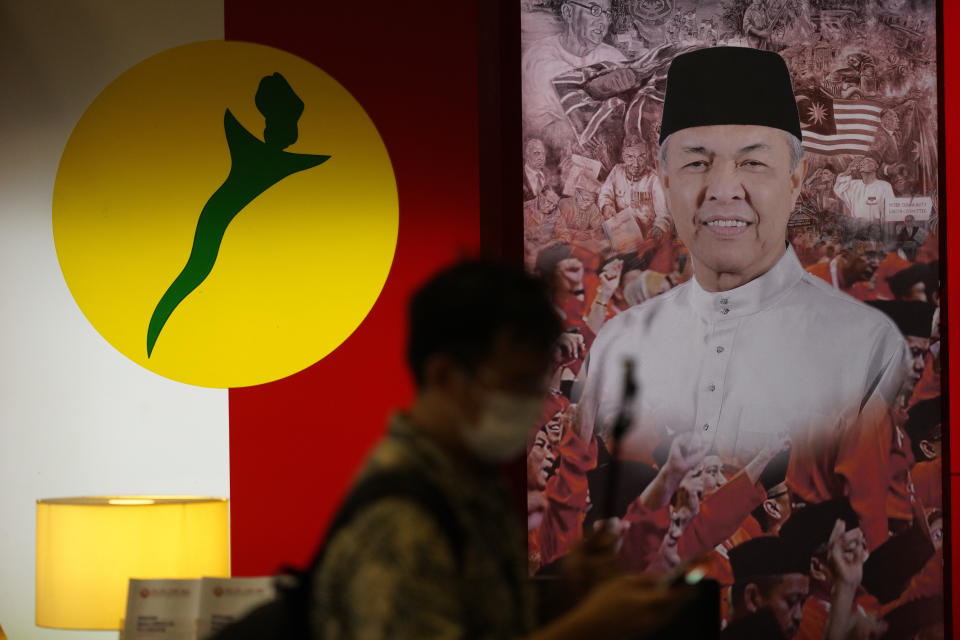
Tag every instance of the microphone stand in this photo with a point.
(620, 426)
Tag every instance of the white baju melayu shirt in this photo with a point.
(865, 201)
(784, 352)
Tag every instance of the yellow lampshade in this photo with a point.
(89, 548)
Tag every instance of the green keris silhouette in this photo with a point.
(255, 167)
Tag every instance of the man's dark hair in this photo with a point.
(923, 423)
(902, 281)
(773, 475)
(461, 310)
(808, 529)
(764, 561)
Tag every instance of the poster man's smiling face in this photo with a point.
(730, 190)
(585, 27)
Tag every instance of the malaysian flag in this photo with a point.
(587, 112)
(832, 126)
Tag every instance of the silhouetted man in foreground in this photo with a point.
(450, 562)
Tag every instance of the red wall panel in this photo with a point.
(295, 443)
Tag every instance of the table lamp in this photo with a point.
(88, 548)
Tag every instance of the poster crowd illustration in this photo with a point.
(598, 230)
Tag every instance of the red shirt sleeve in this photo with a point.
(928, 483)
(566, 495)
(863, 461)
(901, 459)
(721, 514)
(641, 542)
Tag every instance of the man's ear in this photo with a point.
(752, 598)
(928, 450)
(566, 12)
(818, 570)
(772, 508)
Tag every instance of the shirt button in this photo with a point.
(712, 387)
(724, 311)
(706, 427)
(719, 349)
(724, 300)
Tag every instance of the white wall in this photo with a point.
(77, 417)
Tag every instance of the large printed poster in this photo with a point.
(811, 394)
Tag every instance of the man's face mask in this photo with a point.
(501, 431)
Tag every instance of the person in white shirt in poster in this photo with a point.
(534, 176)
(633, 184)
(752, 346)
(579, 44)
(866, 197)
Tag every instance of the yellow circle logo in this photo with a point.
(225, 214)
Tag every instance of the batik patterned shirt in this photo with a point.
(392, 572)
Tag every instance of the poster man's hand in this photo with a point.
(612, 83)
(568, 348)
(609, 280)
(686, 452)
(846, 553)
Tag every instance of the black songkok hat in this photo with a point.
(729, 85)
(633, 479)
(662, 452)
(766, 556)
(912, 317)
(901, 282)
(776, 470)
(923, 419)
(810, 527)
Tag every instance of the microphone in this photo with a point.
(620, 426)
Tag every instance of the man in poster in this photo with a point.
(866, 197)
(759, 21)
(752, 346)
(632, 184)
(579, 44)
